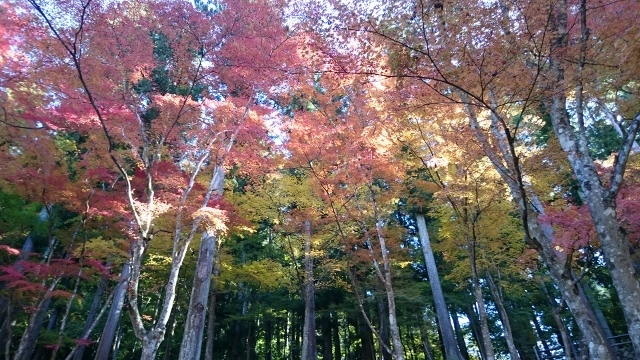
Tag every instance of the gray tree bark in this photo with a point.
(196, 316)
(309, 348)
(504, 317)
(600, 199)
(448, 337)
(111, 324)
(477, 293)
(93, 313)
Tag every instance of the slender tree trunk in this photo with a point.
(8, 333)
(268, 339)
(426, 344)
(326, 337)
(336, 336)
(504, 317)
(111, 325)
(309, 348)
(384, 275)
(475, 331)
(383, 316)
(556, 309)
(93, 313)
(31, 333)
(448, 338)
(211, 321)
(459, 336)
(541, 337)
(117, 342)
(477, 292)
(194, 325)
(597, 310)
(367, 351)
(168, 342)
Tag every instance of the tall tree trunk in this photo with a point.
(475, 329)
(191, 346)
(383, 317)
(117, 342)
(194, 325)
(31, 333)
(600, 199)
(556, 309)
(541, 337)
(111, 325)
(448, 338)
(426, 344)
(268, 339)
(384, 274)
(597, 310)
(93, 313)
(366, 340)
(504, 317)
(309, 348)
(335, 328)
(326, 337)
(459, 336)
(477, 293)
(168, 342)
(211, 321)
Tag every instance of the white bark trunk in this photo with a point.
(504, 317)
(477, 293)
(448, 337)
(309, 348)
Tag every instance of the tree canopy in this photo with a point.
(274, 179)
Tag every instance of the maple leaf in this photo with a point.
(215, 219)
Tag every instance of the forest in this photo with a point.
(335, 180)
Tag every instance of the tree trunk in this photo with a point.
(150, 344)
(475, 331)
(384, 275)
(477, 293)
(191, 346)
(426, 344)
(448, 338)
(541, 337)
(31, 333)
(367, 351)
(504, 317)
(597, 310)
(93, 313)
(194, 325)
(117, 342)
(556, 309)
(111, 325)
(168, 343)
(268, 338)
(309, 348)
(383, 316)
(601, 200)
(211, 321)
(460, 336)
(336, 336)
